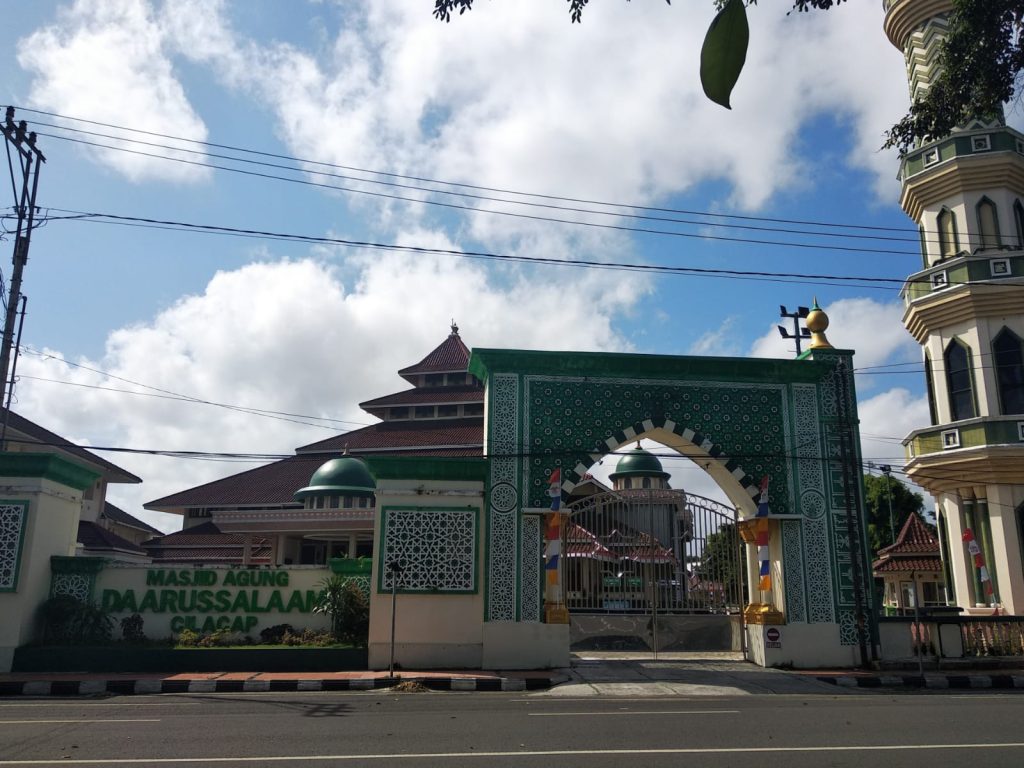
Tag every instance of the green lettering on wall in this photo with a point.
(276, 602)
(149, 601)
(204, 601)
(111, 601)
(241, 604)
(222, 601)
(155, 578)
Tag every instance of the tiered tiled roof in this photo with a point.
(273, 485)
(29, 436)
(95, 538)
(206, 544)
(118, 515)
(915, 549)
(452, 356)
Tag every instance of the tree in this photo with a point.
(723, 560)
(877, 490)
(981, 61)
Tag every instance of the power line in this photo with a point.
(466, 195)
(168, 394)
(795, 277)
(459, 185)
(526, 216)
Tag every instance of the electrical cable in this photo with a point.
(461, 185)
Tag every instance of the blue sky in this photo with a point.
(510, 96)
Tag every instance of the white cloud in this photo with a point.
(885, 420)
(292, 336)
(105, 60)
(872, 329)
(513, 96)
(721, 341)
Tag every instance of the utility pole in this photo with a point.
(30, 159)
(798, 333)
(886, 469)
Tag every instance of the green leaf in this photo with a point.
(724, 51)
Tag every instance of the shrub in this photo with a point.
(131, 629)
(308, 637)
(188, 639)
(272, 635)
(349, 608)
(69, 620)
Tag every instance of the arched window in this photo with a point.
(647, 482)
(1018, 220)
(948, 245)
(930, 385)
(959, 382)
(988, 224)
(1009, 362)
(924, 246)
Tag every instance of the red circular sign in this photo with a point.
(773, 634)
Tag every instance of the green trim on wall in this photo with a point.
(975, 435)
(49, 466)
(483, 362)
(419, 468)
(65, 564)
(24, 503)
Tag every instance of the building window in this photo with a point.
(939, 280)
(988, 224)
(999, 267)
(434, 379)
(647, 482)
(447, 411)
(473, 409)
(980, 144)
(1018, 220)
(958, 379)
(424, 411)
(1020, 431)
(399, 413)
(951, 438)
(930, 386)
(946, 222)
(931, 157)
(1009, 361)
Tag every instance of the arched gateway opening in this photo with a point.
(791, 423)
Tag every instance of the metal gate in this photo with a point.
(652, 555)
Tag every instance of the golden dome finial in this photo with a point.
(817, 322)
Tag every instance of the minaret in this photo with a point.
(965, 306)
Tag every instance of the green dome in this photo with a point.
(339, 477)
(638, 463)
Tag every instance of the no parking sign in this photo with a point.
(772, 638)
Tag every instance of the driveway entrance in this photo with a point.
(652, 570)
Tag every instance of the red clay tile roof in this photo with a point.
(205, 533)
(908, 564)
(915, 537)
(274, 484)
(395, 436)
(428, 395)
(98, 539)
(34, 433)
(229, 555)
(450, 355)
(118, 515)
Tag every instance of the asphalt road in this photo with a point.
(474, 729)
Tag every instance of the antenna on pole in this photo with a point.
(799, 333)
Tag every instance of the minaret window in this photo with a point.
(958, 379)
(930, 385)
(1009, 363)
(948, 245)
(988, 224)
(1018, 220)
(924, 247)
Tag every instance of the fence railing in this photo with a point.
(951, 637)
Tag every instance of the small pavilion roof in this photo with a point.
(916, 549)
(450, 356)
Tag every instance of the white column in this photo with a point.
(1006, 541)
(958, 566)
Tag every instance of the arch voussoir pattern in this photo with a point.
(622, 437)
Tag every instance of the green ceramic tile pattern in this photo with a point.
(13, 522)
(548, 411)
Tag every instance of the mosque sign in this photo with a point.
(203, 599)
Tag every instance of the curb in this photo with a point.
(127, 686)
(931, 682)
